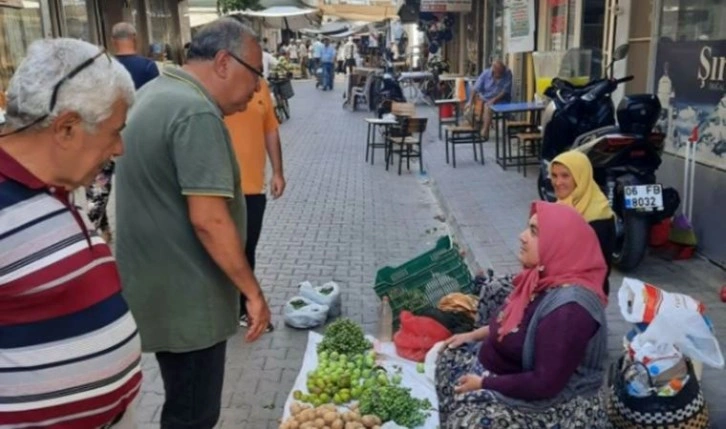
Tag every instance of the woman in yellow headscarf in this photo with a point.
(574, 184)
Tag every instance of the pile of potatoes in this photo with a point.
(327, 416)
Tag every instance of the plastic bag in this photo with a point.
(641, 302)
(303, 313)
(688, 332)
(417, 335)
(327, 294)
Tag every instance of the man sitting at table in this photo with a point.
(493, 86)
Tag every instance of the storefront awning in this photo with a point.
(329, 28)
(286, 17)
(367, 13)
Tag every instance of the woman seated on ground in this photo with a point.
(575, 186)
(540, 361)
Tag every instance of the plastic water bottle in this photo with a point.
(385, 321)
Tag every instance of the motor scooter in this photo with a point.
(387, 90)
(624, 157)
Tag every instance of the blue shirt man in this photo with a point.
(327, 55)
(327, 58)
(141, 69)
(493, 86)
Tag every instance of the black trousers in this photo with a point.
(193, 387)
(255, 212)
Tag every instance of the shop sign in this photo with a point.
(18, 4)
(444, 6)
(519, 25)
(691, 86)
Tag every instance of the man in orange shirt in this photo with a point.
(254, 134)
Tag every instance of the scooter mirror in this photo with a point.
(621, 52)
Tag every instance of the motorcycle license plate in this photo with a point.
(644, 197)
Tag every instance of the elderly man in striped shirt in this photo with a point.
(69, 347)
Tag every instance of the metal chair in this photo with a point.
(408, 145)
(466, 133)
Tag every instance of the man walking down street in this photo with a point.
(69, 347)
(493, 86)
(181, 220)
(317, 52)
(327, 58)
(302, 51)
(254, 133)
(349, 52)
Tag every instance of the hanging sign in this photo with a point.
(691, 86)
(443, 6)
(17, 4)
(519, 25)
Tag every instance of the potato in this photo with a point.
(350, 416)
(330, 417)
(319, 423)
(368, 421)
(350, 425)
(293, 424)
(295, 408)
(320, 412)
(376, 427)
(329, 407)
(306, 416)
(337, 424)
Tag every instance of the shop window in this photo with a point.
(161, 31)
(18, 29)
(75, 13)
(687, 20)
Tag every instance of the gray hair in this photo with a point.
(224, 34)
(91, 93)
(123, 30)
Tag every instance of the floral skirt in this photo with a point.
(483, 409)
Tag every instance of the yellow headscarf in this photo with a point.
(586, 198)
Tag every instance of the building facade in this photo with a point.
(163, 26)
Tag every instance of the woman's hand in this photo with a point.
(458, 340)
(468, 383)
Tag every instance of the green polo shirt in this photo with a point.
(176, 145)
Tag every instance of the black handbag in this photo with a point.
(685, 410)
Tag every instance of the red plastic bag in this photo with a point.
(417, 336)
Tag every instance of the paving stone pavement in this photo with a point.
(340, 219)
(488, 208)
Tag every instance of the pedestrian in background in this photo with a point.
(181, 220)
(69, 348)
(317, 52)
(339, 59)
(255, 137)
(350, 51)
(302, 51)
(142, 70)
(327, 58)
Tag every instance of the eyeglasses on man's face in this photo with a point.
(257, 72)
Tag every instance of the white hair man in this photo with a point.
(69, 348)
(181, 220)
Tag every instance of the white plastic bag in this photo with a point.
(640, 302)
(430, 361)
(688, 331)
(327, 294)
(303, 313)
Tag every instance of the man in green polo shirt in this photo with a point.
(181, 220)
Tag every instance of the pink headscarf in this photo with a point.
(569, 254)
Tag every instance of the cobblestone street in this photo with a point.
(342, 219)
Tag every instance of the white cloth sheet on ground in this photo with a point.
(421, 386)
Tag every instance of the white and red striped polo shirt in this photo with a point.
(69, 347)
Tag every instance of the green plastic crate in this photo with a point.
(444, 250)
(423, 281)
